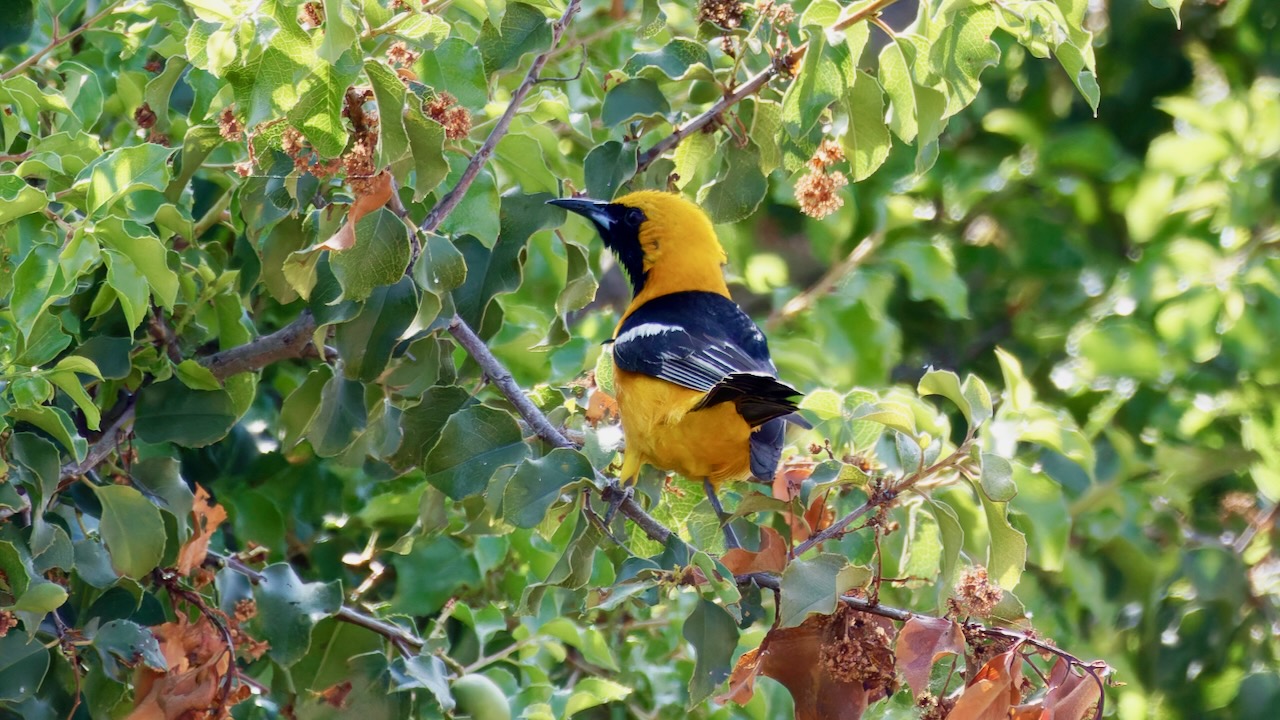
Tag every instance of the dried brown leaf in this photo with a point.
(922, 642)
(198, 662)
(771, 557)
(208, 515)
(377, 195)
(994, 690)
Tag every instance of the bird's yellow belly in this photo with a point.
(711, 444)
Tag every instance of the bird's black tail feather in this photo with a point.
(758, 398)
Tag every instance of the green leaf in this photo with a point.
(172, 412)
(379, 257)
(365, 343)
(124, 170)
(946, 384)
(607, 167)
(132, 529)
(15, 26)
(824, 73)
(299, 409)
(122, 644)
(524, 29)
(70, 384)
(196, 376)
(478, 213)
(695, 153)
(17, 199)
(41, 598)
(146, 253)
(23, 664)
(652, 19)
(440, 267)
(595, 691)
(810, 585)
(737, 192)
(674, 60)
(916, 111)
(393, 140)
(866, 142)
(56, 422)
(431, 574)
(931, 274)
(421, 424)
(339, 30)
(952, 533)
(457, 67)
(890, 414)
(288, 610)
(1007, 555)
(474, 443)
(423, 672)
(635, 98)
(537, 483)
(997, 478)
(340, 418)
(962, 50)
(979, 398)
(713, 633)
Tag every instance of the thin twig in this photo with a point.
(290, 341)
(60, 40)
(481, 156)
(827, 283)
(1267, 518)
(406, 642)
(885, 497)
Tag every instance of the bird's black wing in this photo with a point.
(703, 341)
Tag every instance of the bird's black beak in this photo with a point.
(597, 211)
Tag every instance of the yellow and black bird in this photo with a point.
(697, 391)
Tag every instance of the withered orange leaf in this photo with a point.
(771, 557)
(601, 406)
(198, 662)
(208, 515)
(921, 643)
(994, 692)
(834, 666)
(1069, 696)
(378, 194)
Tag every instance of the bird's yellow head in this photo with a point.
(664, 242)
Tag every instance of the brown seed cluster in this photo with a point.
(8, 621)
(400, 54)
(145, 117)
(312, 14)
(358, 162)
(229, 127)
(154, 65)
(817, 192)
(975, 594)
(857, 648)
(1239, 504)
(934, 708)
(780, 14)
(444, 109)
(725, 13)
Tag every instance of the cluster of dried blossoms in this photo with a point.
(358, 162)
(444, 109)
(312, 14)
(780, 14)
(400, 54)
(975, 593)
(817, 192)
(229, 127)
(725, 13)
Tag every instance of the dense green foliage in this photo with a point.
(195, 353)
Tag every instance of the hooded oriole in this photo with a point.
(696, 389)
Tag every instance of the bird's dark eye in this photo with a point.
(633, 218)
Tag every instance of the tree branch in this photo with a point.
(481, 156)
(538, 422)
(290, 341)
(59, 40)
(825, 284)
(401, 638)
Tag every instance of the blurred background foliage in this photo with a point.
(1124, 264)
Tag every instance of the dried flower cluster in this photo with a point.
(145, 117)
(975, 593)
(229, 127)
(312, 14)
(934, 708)
(858, 648)
(8, 621)
(400, 54)
(725, 13)
(780, 14)
(817, 192)
(1239, 504)
(444, 109)
(154, 65)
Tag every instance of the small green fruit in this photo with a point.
(481, 698)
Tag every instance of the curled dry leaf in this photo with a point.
(771, 557)
(786, 487)
(379, 192)
(198, 662)
(995, 690)
(601, 407)
(1069, 697)
(208, 515)
(834, 666)
(921, 643)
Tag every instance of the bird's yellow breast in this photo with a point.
(712, 443)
